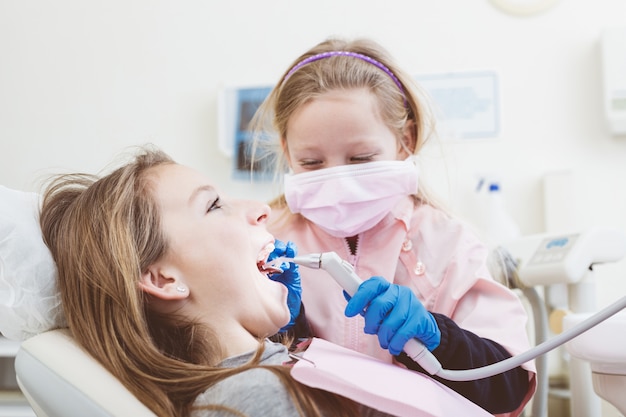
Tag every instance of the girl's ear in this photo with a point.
(163, 284)
(409, 138)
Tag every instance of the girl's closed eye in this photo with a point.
(215, 204)
(310, 163)
(363, 158)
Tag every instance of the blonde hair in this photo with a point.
(343, 72)
(103, 233)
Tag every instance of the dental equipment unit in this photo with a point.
(566, 262)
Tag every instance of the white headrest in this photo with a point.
(59, 378)
(29, 300)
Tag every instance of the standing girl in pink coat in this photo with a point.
(350, 125)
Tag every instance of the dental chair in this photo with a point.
(57, 377)
(60, 379)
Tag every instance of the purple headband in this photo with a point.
(345, 53)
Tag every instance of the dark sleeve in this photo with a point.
(301, 328)
(461, 349)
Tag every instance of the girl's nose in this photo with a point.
(258, 212)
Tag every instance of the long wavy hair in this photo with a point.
(341, 72)
(103, 233)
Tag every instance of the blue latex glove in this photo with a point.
(290, 277)
(394, 313)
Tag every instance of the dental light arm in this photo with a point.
(345, 276)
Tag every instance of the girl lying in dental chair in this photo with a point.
(160, 282)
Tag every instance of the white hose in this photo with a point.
(430, 362)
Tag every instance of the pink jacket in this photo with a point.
(419, 247)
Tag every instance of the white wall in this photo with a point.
(81, 81)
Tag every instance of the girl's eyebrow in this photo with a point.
(199, 190)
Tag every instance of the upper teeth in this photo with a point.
(265, 252)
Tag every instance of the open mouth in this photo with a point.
(261, 262)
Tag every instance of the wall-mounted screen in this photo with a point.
(236, 108)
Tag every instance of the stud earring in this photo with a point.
(181, 288)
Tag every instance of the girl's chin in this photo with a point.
(286, 322)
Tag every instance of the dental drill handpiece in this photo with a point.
(343, 273)
(345, 276)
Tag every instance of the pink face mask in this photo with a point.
(349, 199)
